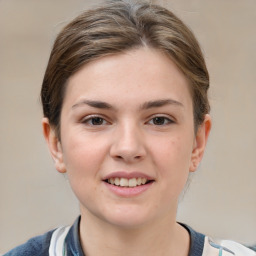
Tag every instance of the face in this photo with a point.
(127, 137)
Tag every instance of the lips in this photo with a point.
(128, 180)
(124, 182)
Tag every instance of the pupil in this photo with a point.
(158, 120)
(97, 121)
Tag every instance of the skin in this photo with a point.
(129, 134)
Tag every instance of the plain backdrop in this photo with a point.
(221, 200)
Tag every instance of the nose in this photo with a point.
(128, 144)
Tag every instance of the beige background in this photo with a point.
(221, 200)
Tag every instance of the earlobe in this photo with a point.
(54, 145)
(200, 143)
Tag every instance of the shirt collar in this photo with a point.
(73, 243)
(74, 247)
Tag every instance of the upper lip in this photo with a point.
(127, 175)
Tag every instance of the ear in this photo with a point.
(200, 142)
(54, 145)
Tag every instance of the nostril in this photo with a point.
(128, 158)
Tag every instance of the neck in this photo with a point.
(164, 238)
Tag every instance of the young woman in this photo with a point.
(126, 116)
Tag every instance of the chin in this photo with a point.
(127, 217)
(128, 222)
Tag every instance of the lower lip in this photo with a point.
(128, 191)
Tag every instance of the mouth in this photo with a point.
(128, 183)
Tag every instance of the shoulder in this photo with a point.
(38, 245)
(225, 248)
(202, 245)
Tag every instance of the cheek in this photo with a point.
(174, 153)
(82, 156)
(83, 162)
(173, 163)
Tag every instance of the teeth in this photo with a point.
(132, 182)
(143, 181)
(123, 182)
(117, 181)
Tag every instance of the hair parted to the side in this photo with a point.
(115, 27)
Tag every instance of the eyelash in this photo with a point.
(167, 121)
(89, 120)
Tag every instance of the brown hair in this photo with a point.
(114, 27)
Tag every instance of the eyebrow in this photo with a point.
(146, 105)
(160, 103)
(94, 104)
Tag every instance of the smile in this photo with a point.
(124, 182)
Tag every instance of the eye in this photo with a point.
(160, 120)
(94, 121)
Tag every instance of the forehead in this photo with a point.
(141, 74)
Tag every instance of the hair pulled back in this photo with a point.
(114, 27)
